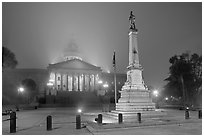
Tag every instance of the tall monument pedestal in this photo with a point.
(135, 97)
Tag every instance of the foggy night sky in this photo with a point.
(41, 33)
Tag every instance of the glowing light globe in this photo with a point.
(79, 110)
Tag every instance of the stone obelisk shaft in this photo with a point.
(133, 48)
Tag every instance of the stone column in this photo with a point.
(69, 81)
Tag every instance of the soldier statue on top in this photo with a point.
(132, 21)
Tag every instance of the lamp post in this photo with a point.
(166, 100)
(20, 91)
(106, 98)
(156, 94)
(100, 82)
(105, 87)
(49, 84)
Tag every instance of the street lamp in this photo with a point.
(51, 80)
(105, 85)
(106, 98)
(100, 82)
(21, 90)
(166, 98)
(50, 84)
(155, 93)
(79, 111)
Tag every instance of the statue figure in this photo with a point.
(132, 21)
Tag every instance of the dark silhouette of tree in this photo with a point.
(8, 58)
(185, 77)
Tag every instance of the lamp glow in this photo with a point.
(49, 84)
(166, 98)
(105, 85)
(51, 80)
(21, 89)
(100, 82)
(79, 110)
(155, 92)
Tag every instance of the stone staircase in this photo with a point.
(130, 116)
(135, 106)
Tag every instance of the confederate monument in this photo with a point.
(134, 95)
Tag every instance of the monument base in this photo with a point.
(135, 101)
(131, 116)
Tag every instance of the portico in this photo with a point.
(74, 75)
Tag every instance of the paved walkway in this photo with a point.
(175, 129)
(33, 122)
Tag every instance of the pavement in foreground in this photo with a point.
(33, 122)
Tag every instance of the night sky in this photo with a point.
(42, 33)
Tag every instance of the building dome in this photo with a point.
(71, 51)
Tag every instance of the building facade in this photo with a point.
(74, 74)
